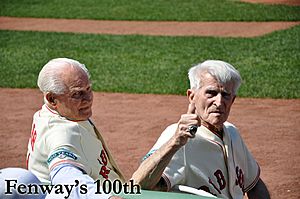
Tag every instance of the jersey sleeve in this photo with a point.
(174, 173)
(164, 137)
(247, 170)
(252, 173)
(63, 142)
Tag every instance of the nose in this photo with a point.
(218, 100)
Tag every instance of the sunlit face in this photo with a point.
(76, 102)
(213, 100)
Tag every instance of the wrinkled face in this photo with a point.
(76, 102)
(213, 100)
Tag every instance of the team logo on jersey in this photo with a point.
(61, 154)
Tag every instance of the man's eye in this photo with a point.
(226, 95)
(77, 94)
(211, 93)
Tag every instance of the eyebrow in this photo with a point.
(212, 88)
(77, 88)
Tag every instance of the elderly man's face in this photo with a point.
(213, 100)
(76, 103)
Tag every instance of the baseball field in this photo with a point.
(139, 77)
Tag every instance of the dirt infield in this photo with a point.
(170, 28)
(285, 2)
(154, 28)
(131, 123)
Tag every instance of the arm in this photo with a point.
(259, 191)
(67, 174)
(149, 173)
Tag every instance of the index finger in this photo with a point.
(191, 108)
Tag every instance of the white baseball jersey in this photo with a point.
(224, 168)
(56, 140)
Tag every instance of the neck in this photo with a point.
(218, 130)
(68, 118)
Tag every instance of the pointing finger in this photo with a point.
(191, 108)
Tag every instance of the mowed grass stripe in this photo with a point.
(269, 65)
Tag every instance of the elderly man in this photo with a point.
(64, 142)
(203, 150)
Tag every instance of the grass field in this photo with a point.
(173, 10)
(269, 65)
(142, 64)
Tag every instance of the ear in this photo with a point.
(190, 94)
(50, 97)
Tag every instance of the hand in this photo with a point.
(189, 119)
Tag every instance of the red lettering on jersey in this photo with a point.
(103, 157)
(104, 172)
(216, 188)
(33, 136)
(239, 177)
(220, 178)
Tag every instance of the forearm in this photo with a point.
(150, 171)
(259, 191)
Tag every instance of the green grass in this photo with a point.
(174, 10)
(269, 65)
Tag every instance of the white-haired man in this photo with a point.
(203, 150)
(64, 143)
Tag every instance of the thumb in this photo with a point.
(191, 108)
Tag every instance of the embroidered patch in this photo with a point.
(61, 154)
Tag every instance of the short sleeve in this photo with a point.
(252, 171)
(247, 170)
(63, 142)
(174, 173)
(164, 137)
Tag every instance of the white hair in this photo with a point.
(50, 77)
(222, 71)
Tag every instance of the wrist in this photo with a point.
(174, 144)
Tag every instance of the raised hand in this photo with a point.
(187, 126)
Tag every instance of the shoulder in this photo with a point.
(62, 132)
(168, 133)
(164, 137)
(231, 129)
(229, 125)
(170, 130)
(62, 126)
(50, 119)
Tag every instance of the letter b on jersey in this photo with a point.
(220, 179)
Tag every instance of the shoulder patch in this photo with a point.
(62, 154)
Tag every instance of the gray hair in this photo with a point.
(50, 80)
(222, 71)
